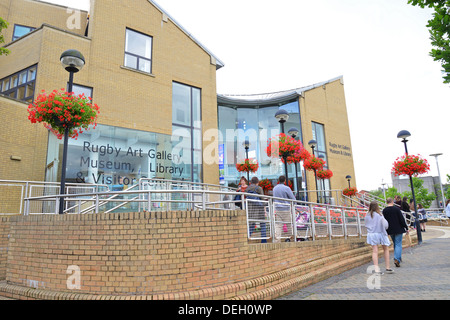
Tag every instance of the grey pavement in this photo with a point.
(423, 275)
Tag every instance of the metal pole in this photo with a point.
(246, 157)
(439, 176)
(416, 215)
(64, 161)
(285, 158)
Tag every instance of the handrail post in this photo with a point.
(327, 210)
(203, 200)
(96, 202)
(359, 223)
(149, 200)
(294, 221)
(312, 220)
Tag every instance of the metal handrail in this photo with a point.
(202, 202)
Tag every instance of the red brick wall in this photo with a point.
(193, 254)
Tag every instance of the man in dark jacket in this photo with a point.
(397, 227)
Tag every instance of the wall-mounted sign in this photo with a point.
(339, 149)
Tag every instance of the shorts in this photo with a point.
(378, 238)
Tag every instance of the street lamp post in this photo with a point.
(73, 61)
(294, 132)
(439, 175)
(247, 146)
(403, 135)
(349, 177)
(283, 116)
(312, 144)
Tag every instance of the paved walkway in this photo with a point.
(423, 275)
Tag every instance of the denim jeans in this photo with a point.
(397, 240)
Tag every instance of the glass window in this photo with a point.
(181, 106)
(186, 128)
(20, 85)
(79, 89)
(138, 51)
(20, 31)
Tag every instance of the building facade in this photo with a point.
(154, 83)
(160, 112)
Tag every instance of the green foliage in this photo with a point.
(3, 25)
(421, 193)
(439, 28)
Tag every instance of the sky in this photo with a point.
(380, 47)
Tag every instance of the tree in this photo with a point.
(421, 193)
(3, 25)
(447, 192)
(439, 28)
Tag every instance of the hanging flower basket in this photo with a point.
(249, 165)
(410, 165)
(324, 174)
(60, 110)
(300, 154)
(266, 185)
(282, 145)
(349, 192)
(313, 163)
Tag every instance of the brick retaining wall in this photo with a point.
(161, 255)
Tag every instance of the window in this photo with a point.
(20, 85)
(187, 129)
(79, 89)
(138, 51)
(20, 31)
(320, 151)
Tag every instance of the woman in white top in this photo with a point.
(376, 226)
(447, 208)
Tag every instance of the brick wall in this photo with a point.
(164, 255)
(4, 232)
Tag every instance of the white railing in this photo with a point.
(14, 192)
(269, 218)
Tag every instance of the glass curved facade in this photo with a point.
(243, 120)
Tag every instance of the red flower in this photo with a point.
(324, 174)
(266, 184)
(349, 192)
(59, 110)
(247, 166)
(282, 145)
(313, 163)
(410, 165)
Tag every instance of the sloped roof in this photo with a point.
(269, 98)
(219, 63)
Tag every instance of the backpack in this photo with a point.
(258, 201)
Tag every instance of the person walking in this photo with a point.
(282, 208)
(423, 218)
(243, 184)
(376, 225)
(447, 208)
(406, 208)
(256, 208)
(397, 227)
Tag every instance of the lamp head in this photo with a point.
(72, 60)
(293, 132)
(403, 134)
(312, 143)
(282, 115)
(348, 177)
